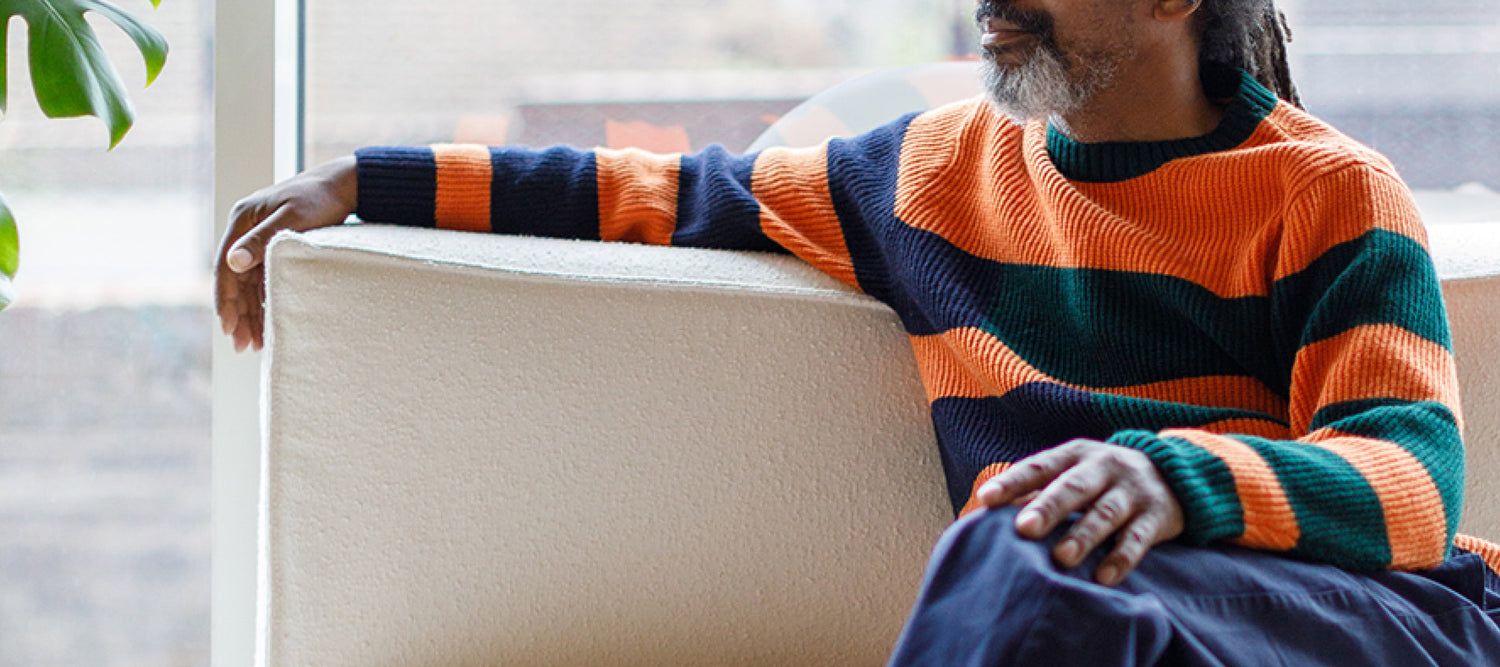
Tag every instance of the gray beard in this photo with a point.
(1041, 88)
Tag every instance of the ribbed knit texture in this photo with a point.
(1254, 309)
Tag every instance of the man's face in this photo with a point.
(1046, 58)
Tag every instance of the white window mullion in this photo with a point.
(256, 108)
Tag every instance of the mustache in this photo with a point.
(1038, 22)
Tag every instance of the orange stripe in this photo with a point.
(1260, 428)
(1415, 521)
(1367, 198)
(1018, 209)
(1486, 550)
(1223, 391)
(1270, 522)
(637, 195)
(463, 187)
(971, 363)
(984, 476)
(796, 209)
(1371, 361)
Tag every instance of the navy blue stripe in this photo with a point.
(550, 192)
(974, 433)
(862, 175)
(397, 185)
(715, 207)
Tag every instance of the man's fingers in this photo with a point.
(1071, 491)
(1138, 538)
(1031, 474)
(250, 249)
(1111, 511)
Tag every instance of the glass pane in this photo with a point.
(663, 74)
(1418, 82)
(104, 382)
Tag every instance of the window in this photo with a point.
(104, 372)
(1420, 83)
(669, 75)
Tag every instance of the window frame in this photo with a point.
(257, 125)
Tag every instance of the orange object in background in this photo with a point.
(645, 136)
(486, 130)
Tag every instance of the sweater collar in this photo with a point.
(1248, 104)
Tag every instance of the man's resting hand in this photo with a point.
(319, 197)
(1117, 489)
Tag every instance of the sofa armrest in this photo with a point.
(1468, 262)
(486, 450)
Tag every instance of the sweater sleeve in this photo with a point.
(1375, 477)
(777, 200)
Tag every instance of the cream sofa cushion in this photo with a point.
(487, 450)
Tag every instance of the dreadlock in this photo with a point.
(1251, 35)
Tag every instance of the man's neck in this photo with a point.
(1145, 103)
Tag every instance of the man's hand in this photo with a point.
(319, 197)
(1117, 489)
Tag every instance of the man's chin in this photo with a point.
(1036, 89)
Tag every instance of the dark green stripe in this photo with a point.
(1427, 429)
(1202, 483)
(1124, 412)
(1109, 162)
(1379, 278)
(1338, 514)
(1104, 328)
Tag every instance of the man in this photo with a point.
(1185, 350)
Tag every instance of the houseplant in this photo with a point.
(71, 76)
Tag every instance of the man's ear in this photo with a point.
(1168, 11)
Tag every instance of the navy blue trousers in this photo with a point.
(991, 597)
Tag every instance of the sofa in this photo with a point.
(487, 450)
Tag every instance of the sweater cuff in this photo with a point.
(1202, 482)
(397, 185)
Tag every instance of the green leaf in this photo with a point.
(10, 254)
(70, 73)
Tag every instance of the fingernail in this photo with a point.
(1108, 575)
(989, 493)
(239, 259)
(1067, 552)
(1028, 521)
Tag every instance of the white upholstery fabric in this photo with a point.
(1468, 260)
(490, 450)
(493, 450)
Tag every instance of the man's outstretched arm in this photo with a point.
(777, 200)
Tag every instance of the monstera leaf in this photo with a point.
(70, 73)
(10, 250)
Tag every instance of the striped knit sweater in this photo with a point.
(1254, 309)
